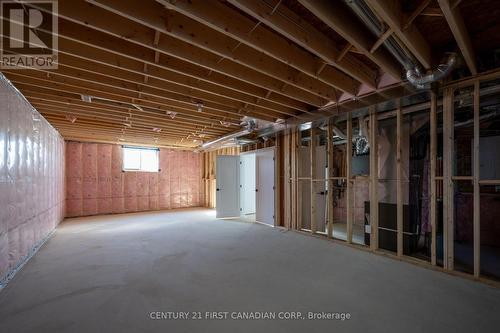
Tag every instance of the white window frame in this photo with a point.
(141, 168)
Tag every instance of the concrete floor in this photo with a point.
(107, 274)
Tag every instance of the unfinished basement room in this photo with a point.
(249, 166)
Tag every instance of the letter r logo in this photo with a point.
(27, 27)
(18, 25)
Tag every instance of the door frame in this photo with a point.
(276, 189)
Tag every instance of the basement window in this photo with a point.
(140, 159)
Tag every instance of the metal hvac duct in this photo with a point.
(414, 72)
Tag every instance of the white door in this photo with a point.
(265, 187)
(247, 184)
(227, 186)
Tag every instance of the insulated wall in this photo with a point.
(96, 183)
(31, 178)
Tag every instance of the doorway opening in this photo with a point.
(246, 186)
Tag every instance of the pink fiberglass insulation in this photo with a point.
(96, 184)
(31, 179)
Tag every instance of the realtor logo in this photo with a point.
(29, 34)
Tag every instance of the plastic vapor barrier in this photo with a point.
(31, 179)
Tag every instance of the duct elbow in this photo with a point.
(423, 81)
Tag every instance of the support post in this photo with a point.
(295, 186)
(448, 211)
(373, 179)
(330, 180)
(349, 178)
(432, 196)
(277, 180)
(477, 194)
(399, 182)
(287, 181)
(312, 156)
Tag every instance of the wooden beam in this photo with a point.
(167, 80)
(455, 4)
(296, 220)
(448, 186)
(330, 183)
(381, 40)
(113, 33)
(195, 131)
(277, 179)
(56, 99)
(139, 118)
(420, 8)
(345, 50)
(433, 156)
(136, 122)
(189, 31)
(349, 189)
(457, 26)
(289, 175)
(373, 179)
(74, 67)
(114, 93)
(476, 221)
(296, 29)
(74, 53)
(33, 88)
(431, 11)
(399, 180)
(390, 12)
(312, 158)
(252, 34)
(339, 18)
(176, 71)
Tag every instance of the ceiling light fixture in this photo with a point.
(171, 114)
(72, 118)
(87, 98)
(199, 106)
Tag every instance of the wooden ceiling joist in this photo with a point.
(345, 23)
(115, 136)
(227, 21)
(95, 73)
(190, 41)
(432, 11)
(70, 100)
(99, 120)
(112, 33)
(96, 122)
(174, 71)
(135, 118)
(391, 14)
(30, 83)
(296, 29)
(217, 29)
(92, 81)
(169, 83)
(381, 40)
(420, 8)
(452, 15)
